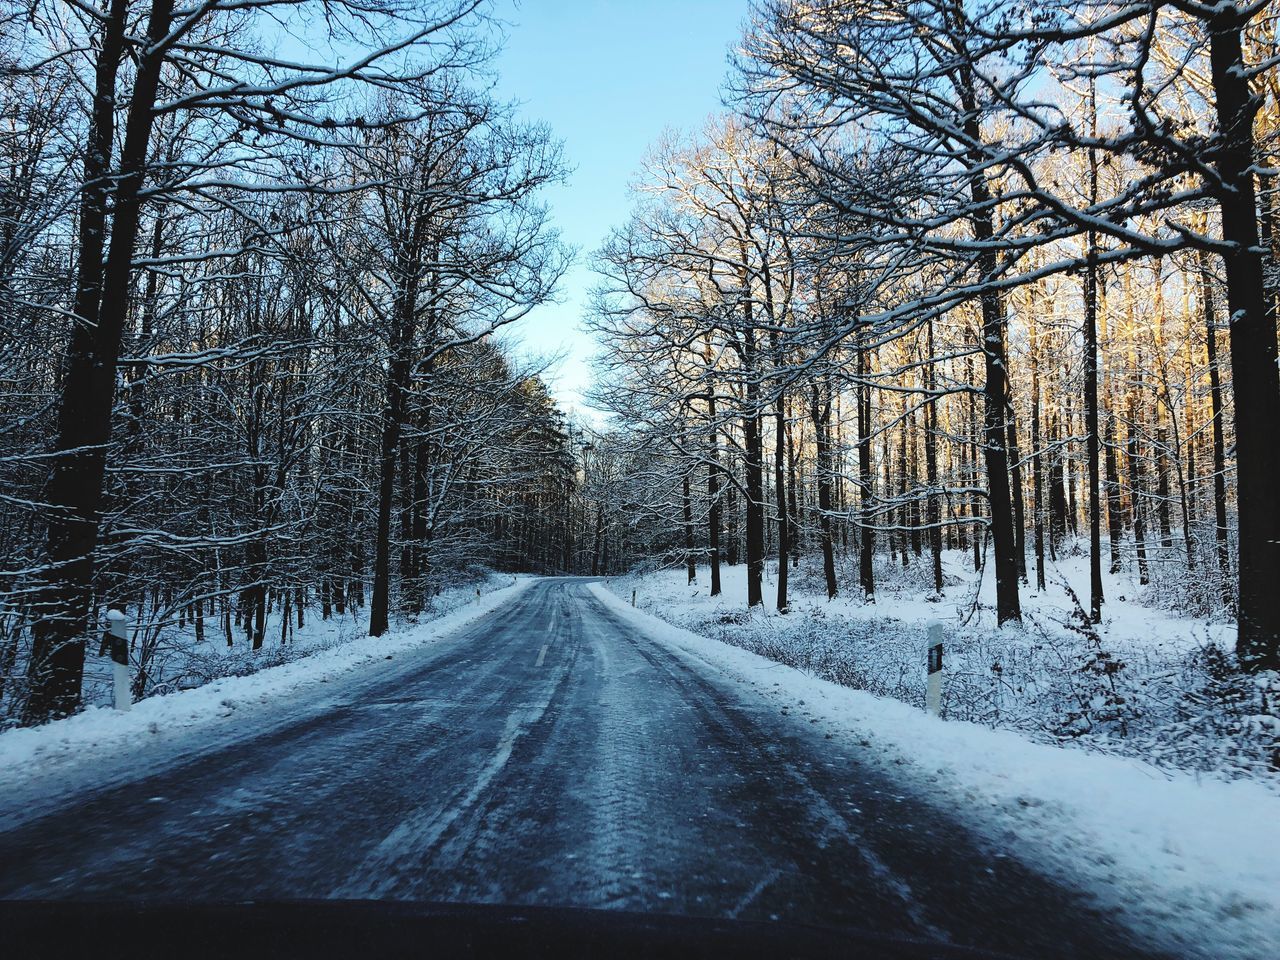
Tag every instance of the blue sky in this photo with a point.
(608, 76)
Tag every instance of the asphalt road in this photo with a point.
(554, 754)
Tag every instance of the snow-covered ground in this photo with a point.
(1193, 862)
(1145, 683)
(101, 745)
(182, 661)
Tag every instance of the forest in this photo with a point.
(249, 306)
(948, 275)
(989, 277)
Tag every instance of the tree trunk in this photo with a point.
(1057, 491)
(408, 555)
(1091, 426)
(780, 495)
(74, 493)
(753, 467)
(1019, 507)
(972, 458)
(392, 420)
(866, 481)
(1219, 446)
(596, 568)
(1069, 471)
(713, 483)
(1253, 352)
(1037, 459)
(997, 460)
(1135, 490)
(689, 560)
(793, 499)
(419, 532)
(932, 510)
(1115, 506)
(820, 411)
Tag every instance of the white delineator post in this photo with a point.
(117, 642)
(933, 692)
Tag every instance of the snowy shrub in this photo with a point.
(176, 661)
(1220, 705)
(181, 664)
(1058, 679)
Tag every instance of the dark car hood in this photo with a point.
(363, 928)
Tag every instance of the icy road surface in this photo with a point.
(553, 753)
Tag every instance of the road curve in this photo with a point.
(552, 753)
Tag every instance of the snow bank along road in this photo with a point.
(557, 752)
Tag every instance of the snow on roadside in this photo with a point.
(1143, 684)
(39, 765)
(1193, 864)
